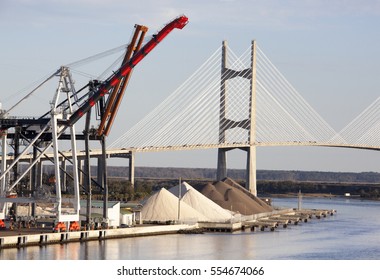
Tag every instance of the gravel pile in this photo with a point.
(230, 195)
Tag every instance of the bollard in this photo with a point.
(83, 235)
(64, 237)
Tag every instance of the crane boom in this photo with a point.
(116, 95)
(126, 68)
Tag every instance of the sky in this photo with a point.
(328, 50)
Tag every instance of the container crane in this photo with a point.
(63, 117)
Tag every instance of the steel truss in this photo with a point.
(53, 129)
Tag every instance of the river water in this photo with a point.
(353, 233)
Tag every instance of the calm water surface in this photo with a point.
(353, 233)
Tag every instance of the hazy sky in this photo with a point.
(328, 50)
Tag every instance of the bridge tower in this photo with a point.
(249, 124)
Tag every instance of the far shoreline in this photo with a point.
(319, 195)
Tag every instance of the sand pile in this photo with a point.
(212, 193)
(230, 195)
(234, 184)
(184, 188)
(163, 206)
(211, 210)
(212, 203)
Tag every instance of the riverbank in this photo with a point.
(331, 240)
(290, 195)
(322, 195)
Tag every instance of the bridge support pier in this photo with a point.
(131, 168)
(250, 176)
(221, 171)
(130, 155)
(226, 123)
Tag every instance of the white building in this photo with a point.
(113, 212)
(127, 218)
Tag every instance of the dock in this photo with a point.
(29, 238)
(271, 221)
(220, 226)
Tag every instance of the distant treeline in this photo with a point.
(267, 175)
(238, 174)
(365, 190)
(148, 179)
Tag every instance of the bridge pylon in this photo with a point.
(248, 124)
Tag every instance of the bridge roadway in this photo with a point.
(240, 145)
(130, 153)
(127, 152)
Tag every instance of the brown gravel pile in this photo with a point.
(230, 195)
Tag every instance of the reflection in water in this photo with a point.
(86, 252)
(353, 233)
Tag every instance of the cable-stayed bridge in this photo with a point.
(230, 102)
(242, 102)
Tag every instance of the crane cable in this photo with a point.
(77, 64)
(34, 90)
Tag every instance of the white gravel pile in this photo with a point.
(201, 203)
(163, 206)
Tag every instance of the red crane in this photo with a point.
(114, 86)
(115, 79)
(115, 97)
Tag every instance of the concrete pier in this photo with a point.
(12, 239)
(220, 227)
(44, 238)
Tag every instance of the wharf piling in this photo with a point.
(269, 220)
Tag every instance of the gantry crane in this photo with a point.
(68, 106)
